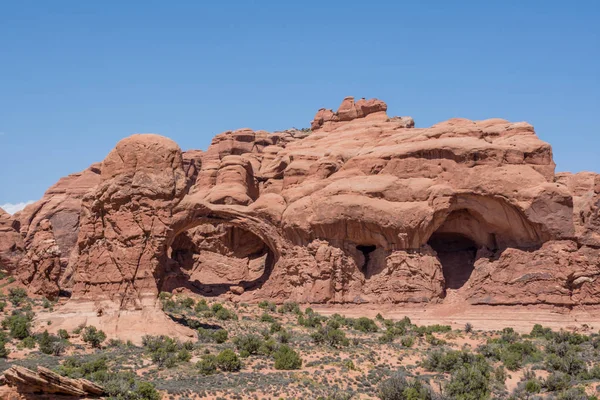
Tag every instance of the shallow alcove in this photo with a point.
(456, 253)
(210, 258)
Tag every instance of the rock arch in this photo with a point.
(242, 249)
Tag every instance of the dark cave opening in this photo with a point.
(366, 251)
(456, 253)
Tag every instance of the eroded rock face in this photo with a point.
(364, 208)
(45, 381)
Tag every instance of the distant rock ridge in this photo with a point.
(364, 208)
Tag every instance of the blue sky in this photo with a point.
(77, 76)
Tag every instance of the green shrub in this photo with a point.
(227, 360)
(216, 307)
(17, 296)
(451, 360)
(18, 324)
(207, 364)
(165, 351)
(46, 342)
(186, 302)
(224, 314)
(63, 334)
(267, 305)
(289, 307)
(332, 337)
(93, 336)
(284, 336)
(250, 343)
(470, 382)
(365, 324)
(287, 359)
(4, 352)
(201, 306)
(2, 306)
(407, 341)
(533, 386)
(557, 381)
(539, 331)
(220, 336)
(398, 387)
(266, 318)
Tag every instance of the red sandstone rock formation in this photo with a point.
(45, 381)
(365, 208)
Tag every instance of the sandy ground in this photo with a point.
(520, 318)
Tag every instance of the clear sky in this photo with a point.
(77, 76)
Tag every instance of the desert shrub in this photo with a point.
(424, 330)
(165, 351)
(286, 358)
(557, 381)
(224, 314)
(538, 331)
(17, 296)
(2, 306)
(267, 347)
(266, 318)
(365, 324)
(289, 307)
(329, 336)
(29, 342)
(201, 306)
(227, 360)
(216, 307)
(398, 387)
(450, 360)
(250, 343)
(576, 393)
(63, 334)
(207, 364)
(19, 325)
(267, 305)
(275, 327)
(284, 336)
(434, 341)
(569, 363)
(468, 327)
(220, 336)
(186, 302)
(533, 386)
(47, 342)
(93, 336)
(407, 341)
(572, 338)
(469, 382)
(4, 352)
(118, 384)
(311, 319)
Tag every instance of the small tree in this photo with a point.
(93, 336)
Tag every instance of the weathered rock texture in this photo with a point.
(45, 381)
(362, 209)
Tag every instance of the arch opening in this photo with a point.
(212, 257)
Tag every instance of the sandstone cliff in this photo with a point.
(364, 208)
